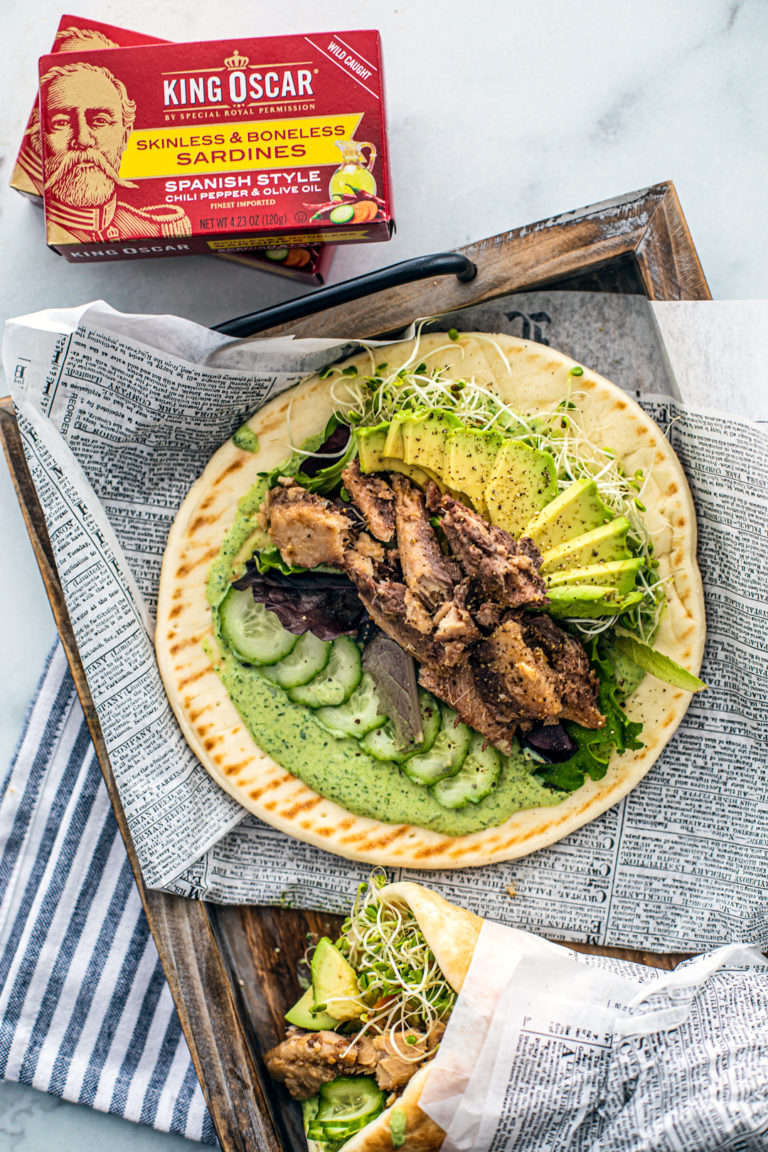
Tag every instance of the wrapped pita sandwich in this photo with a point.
(437, 606)
(363, 1034)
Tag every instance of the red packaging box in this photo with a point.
(309, 265)
(226, 147)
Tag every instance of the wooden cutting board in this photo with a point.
(232, 970)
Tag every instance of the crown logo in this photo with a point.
(236, 60)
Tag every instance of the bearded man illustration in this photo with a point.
(27, 174)
(87, 117)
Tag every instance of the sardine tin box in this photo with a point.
(227, 147)
(308, 265)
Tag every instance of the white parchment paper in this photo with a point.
(550, 1051)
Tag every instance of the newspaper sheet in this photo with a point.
(547, 1050)
(119, 415)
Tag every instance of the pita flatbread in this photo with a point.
(537, 378)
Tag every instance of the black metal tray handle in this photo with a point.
(441, 264)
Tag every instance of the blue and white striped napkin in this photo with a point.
(85, 1012)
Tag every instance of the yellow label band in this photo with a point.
(247, 146)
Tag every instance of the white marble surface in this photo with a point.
(500, 114)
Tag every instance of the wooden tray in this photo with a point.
(232, 970)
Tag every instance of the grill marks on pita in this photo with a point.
(465, 615)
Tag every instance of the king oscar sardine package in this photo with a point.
(230, 147)
(308, 264)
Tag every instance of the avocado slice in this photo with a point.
(576, 510)
(585, 600)
(256, 540)
(419, 476)
(303, 1017)
(334, 983)
(371, 444)
(394, 442)
(424, 439)
(470, 454)
(522, 482)
(617, 574)
(601, 545)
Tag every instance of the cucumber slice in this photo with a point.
(336, 1133)
(307, 660)
(359, 715)
(336, 682)
(476, 778)
(254, 634)
(431, 720)
(309, 1110)
(347, 1100)
(382, 743)
(341, 215)
(446, 755)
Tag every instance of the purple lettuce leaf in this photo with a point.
(324, 603)
(328, 453)
(551, 741)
